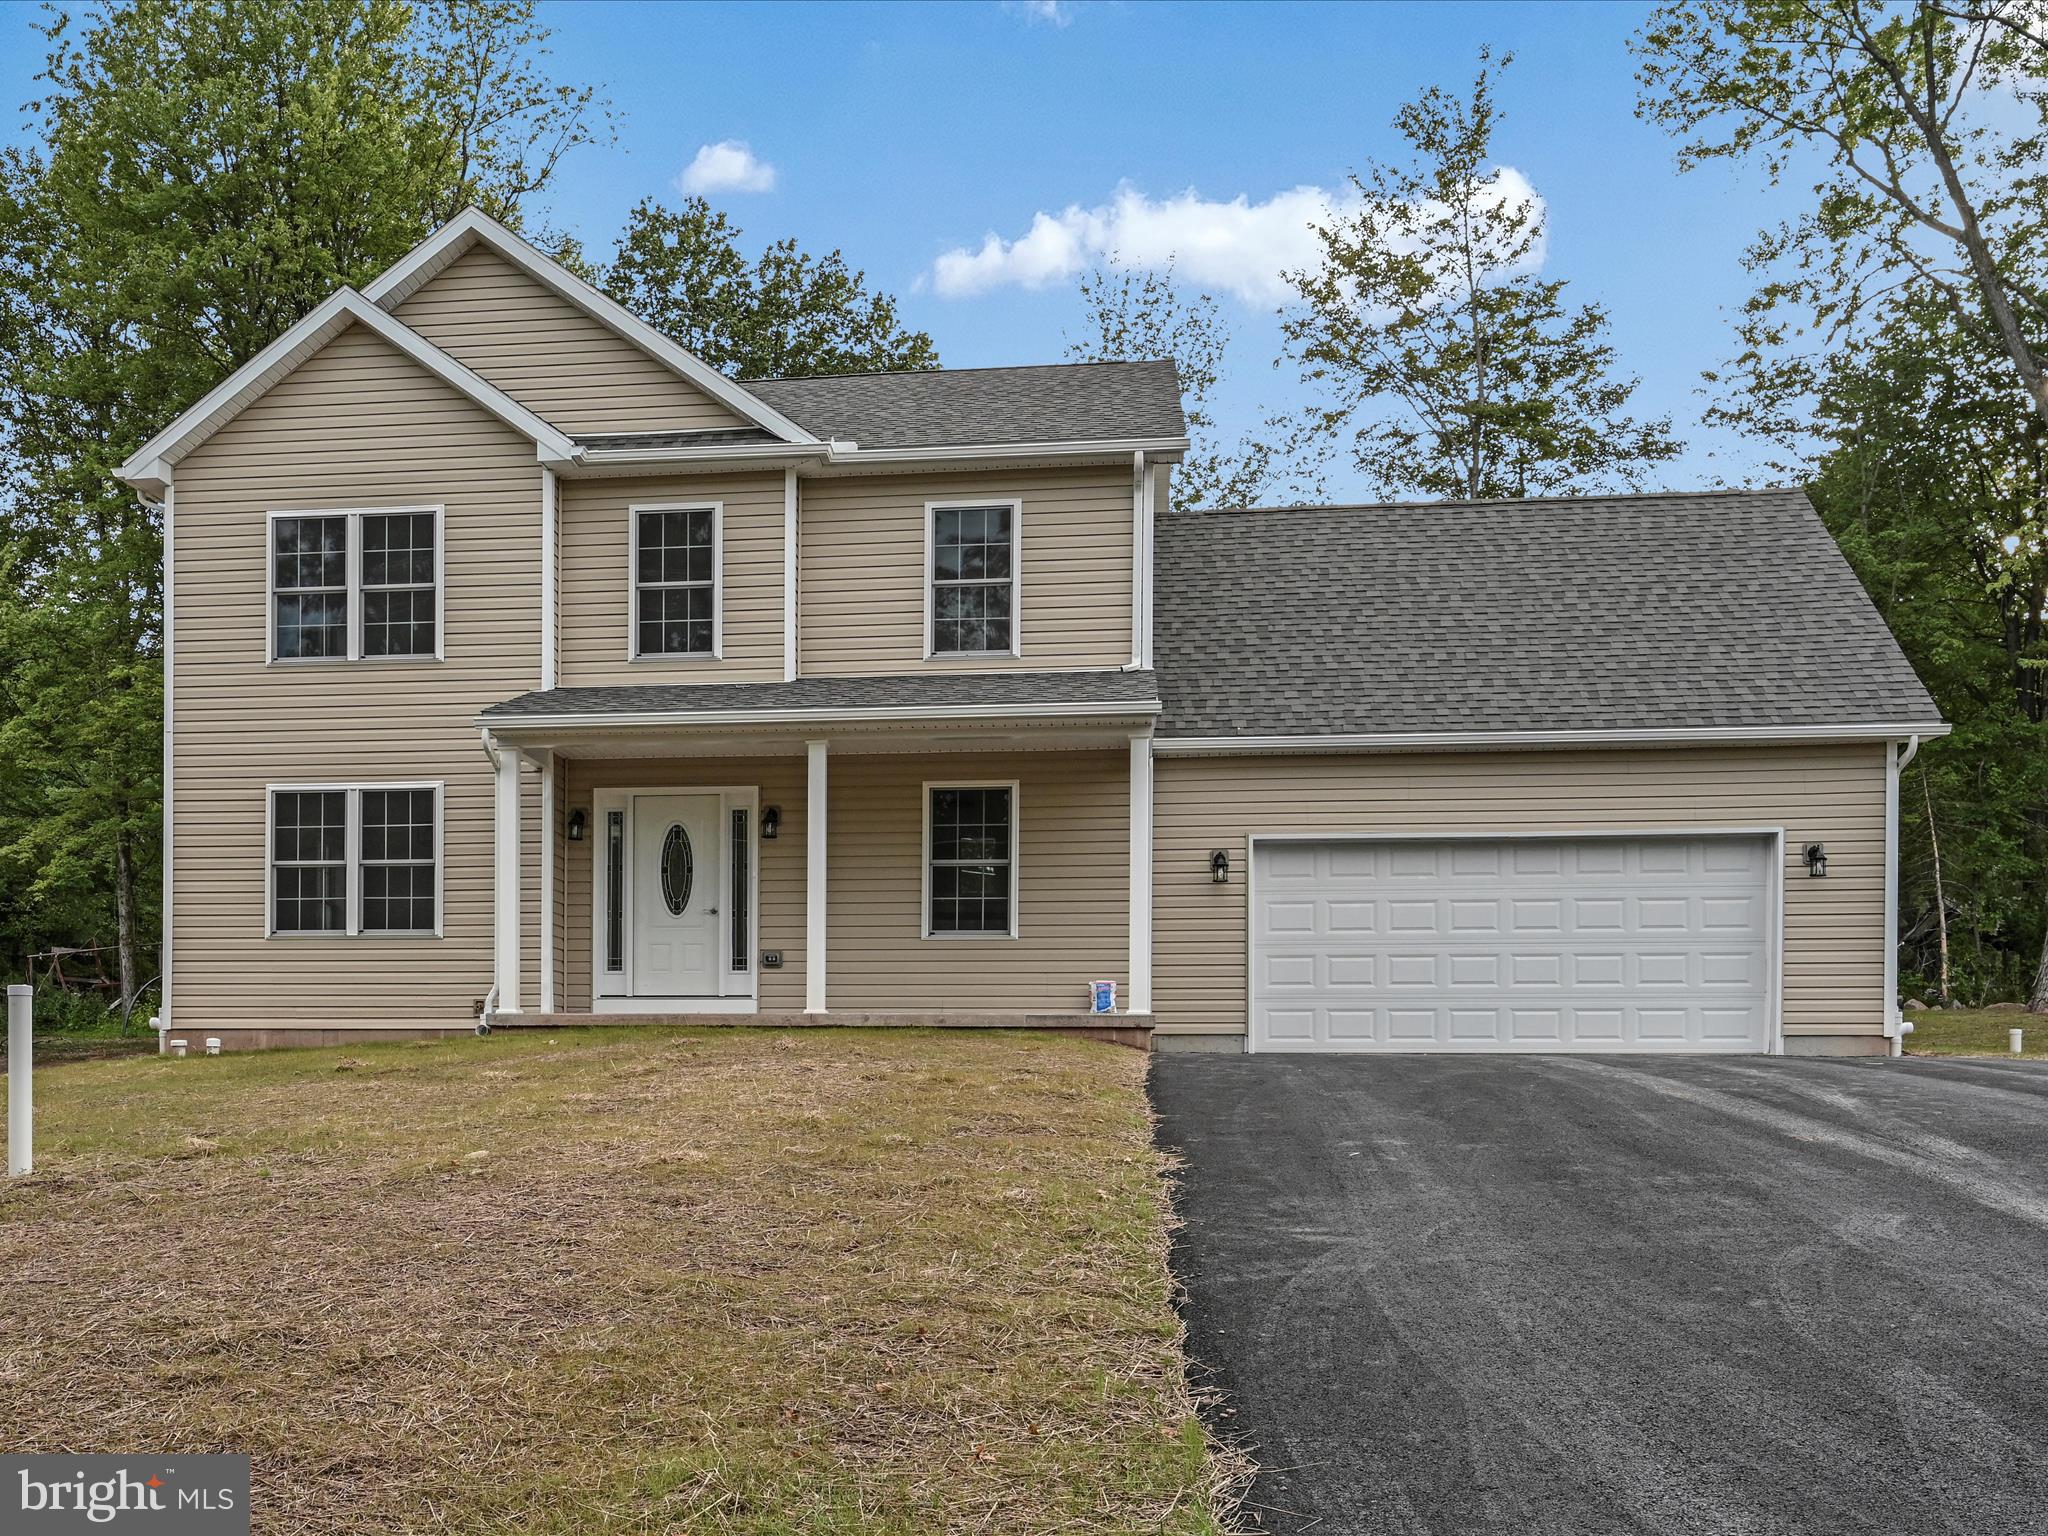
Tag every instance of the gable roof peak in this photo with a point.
(472, 227)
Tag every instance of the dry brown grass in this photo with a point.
(732, 1281)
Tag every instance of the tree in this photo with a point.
(782, 315)
(1135, 315)
(1924, 185)
(1929, 467)
(1446, 364)
(206, 174)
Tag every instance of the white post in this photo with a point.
(548, 771)
(21, 1008)
(507, 951)
(2017, 1039)
(789, 575)
(814, 881)
(1140, 1000)
(1891, 900)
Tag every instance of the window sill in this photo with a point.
(352, 661)
(682, 658)
(955, 938)
(331, 935)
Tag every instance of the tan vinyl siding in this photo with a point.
(596, 601)
(1834, 941)
(549, 355)
(357, 426)
(861, 563)
(1073, 886)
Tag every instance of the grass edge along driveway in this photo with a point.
(620, 1281)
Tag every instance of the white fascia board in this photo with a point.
(1107, 447)
(820, 717)
(415, 269)
(1425, 741)
(772, 453)
(150, 467)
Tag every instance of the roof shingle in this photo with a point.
(1054, 403)
(828, 695)
(1731, 609)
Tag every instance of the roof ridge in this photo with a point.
(920, 373)
(1498, 501)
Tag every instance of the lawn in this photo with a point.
(725, 1281)
(1973, 1032)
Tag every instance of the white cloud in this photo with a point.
(1238, 247)
(1054, 13)
(727, 166)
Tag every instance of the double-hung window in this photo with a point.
(970, 861)
(346, 586)
(971, 594)
(676, 598)
(355, 859)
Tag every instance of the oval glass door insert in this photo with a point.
(678, 869)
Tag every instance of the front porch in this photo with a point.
(786, 872)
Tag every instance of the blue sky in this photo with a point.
(899, 133)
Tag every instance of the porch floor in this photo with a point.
(1134, 1029)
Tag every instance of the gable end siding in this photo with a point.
(549, 355)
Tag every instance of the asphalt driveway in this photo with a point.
(1522, 1294)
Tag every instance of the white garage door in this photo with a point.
(1539, 944)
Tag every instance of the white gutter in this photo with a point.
(1423, 741)
(1121, 710)
(852, 455)
(1895, 1025)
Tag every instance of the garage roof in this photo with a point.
(1728, 610)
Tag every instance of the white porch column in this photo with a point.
(1140, 1000)
(548, 774)
(507, 948)
(814, 881)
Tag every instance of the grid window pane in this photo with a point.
(971, 871)
(973, 563)
(398, 861)
(309, 873)
(675, 580)
(398, 584)
(309, 576)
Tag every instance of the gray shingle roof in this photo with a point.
(827, 695)
(1596, 613)
(1060, 402)
(702, 437)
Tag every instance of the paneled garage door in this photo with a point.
(1538, 944)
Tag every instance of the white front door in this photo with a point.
(677, 884)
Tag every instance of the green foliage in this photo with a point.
(782, 315)
(206, 173)
(1136, 315)
(1447, 366)
(1928, 122)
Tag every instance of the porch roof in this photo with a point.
(1005, 695)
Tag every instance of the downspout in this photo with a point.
(1141, 621)
(1896, 1028)
(483, 1023)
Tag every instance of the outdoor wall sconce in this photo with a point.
(1816, 856)
(577, 822)
(1219, 867)
(771, 823)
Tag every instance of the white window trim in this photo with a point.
(683, 658)
(924, 909)
(354, 541)
(352, 848)
(932, 509)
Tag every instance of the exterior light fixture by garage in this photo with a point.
(1219, 867)
(577, 822)
(1816, 856)
(771, 823)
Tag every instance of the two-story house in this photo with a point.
(520, 666)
